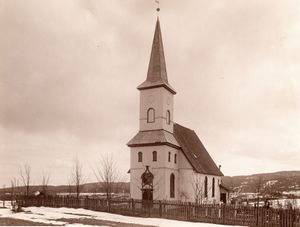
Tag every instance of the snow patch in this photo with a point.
(49, 215)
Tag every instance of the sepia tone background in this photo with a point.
(69, 69)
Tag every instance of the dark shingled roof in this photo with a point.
(195, 152)
(152, 138)
(157, 72)
(225, 187)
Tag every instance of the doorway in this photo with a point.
(223, 197)
(147, 194)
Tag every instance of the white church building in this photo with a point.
(168, 161)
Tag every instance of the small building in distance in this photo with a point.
(168, 161)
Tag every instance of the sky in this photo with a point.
(69, 71)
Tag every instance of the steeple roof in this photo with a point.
(157, 72)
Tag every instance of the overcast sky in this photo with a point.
(69, 71)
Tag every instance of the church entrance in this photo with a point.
(147, 194)
(147, 187)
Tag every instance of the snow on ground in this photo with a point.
(49, 215)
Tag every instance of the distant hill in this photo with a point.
(285, 182)
(119, 187)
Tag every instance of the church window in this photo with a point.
(168, 117)
(213, 188)
(175, 158)
(140, 157)
(150, 115)
(205, 187)
(172, 185)
(169, 157)
(154, 156)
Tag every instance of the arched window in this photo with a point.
(154, 156)
(213, 188)
(168, 117)
(150, 115)
(140, 157)
(205, 187)
(172, 185)
(175, 158)
(169, 157)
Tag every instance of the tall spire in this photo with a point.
(157, 72)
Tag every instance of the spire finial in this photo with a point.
(157, 9)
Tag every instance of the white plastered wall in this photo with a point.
(161, 169)
(161, 100)
(188, 179)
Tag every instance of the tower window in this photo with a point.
(169, 157)
(168, 117)
(154, 156)
(205, 187)
(150, 115)
(175, 158)
(213, 188)
(140, 157)
(172, 185)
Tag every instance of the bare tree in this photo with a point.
(198, 185)
(25, 174)
(3, 190)
(45, 181)
(13, 187)
(77, 176)
(70, 186)
(106, 172)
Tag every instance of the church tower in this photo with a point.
(154, 149)
(156, 94)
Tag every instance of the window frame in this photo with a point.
(168, 117)
(213, 188)
(152, 120)
(154, 156)
(172, 185)
(140, 156)
(205, 187)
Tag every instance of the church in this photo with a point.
(167, 160)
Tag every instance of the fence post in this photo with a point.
(188, 211)
(132, 206)
(149, 207)
(160, 209)
(224, 213)
(235, 212)
(256, 215)
(86, 202)
(108, 204)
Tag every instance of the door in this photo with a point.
(223, 197)
(147, 194)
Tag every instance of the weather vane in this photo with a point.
(157, 9)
